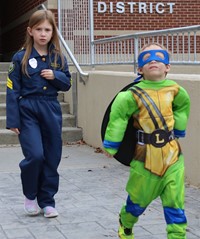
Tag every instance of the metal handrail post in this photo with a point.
(136, 47)
(72, 56)
(59, 17)
(91, 25)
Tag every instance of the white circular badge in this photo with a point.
(33, 62)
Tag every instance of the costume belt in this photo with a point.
(157, 138)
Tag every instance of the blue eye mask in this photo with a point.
(153, 55)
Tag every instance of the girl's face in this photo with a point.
(154, 70)
(41, 33)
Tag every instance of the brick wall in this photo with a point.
(185, 13)
(146, 15)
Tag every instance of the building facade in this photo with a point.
(146, 15)
(110, 17)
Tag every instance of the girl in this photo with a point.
(36, 74)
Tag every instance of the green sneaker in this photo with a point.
(125, 233)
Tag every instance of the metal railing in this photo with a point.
(75, 22)
(76, 25)
(70, 54)
(183, 43)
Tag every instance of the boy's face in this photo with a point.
(154, 70)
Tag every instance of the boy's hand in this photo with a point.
(108, 155)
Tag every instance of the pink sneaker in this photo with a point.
(31, 207)
(50, 212)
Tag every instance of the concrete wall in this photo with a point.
(100, 88)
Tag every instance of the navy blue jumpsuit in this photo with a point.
(33, 108)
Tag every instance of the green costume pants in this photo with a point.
(143, 187)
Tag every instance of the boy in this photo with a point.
(160, 109)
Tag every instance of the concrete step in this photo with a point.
(8, 137)
(64, 107)
(3, 97)
(4, 66)
(2, 86)
(3, 76)
(69, 134)
(68, 121)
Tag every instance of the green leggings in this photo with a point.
(143, 187)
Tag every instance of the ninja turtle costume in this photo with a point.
(160, 112)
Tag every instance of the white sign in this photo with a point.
(136, 7)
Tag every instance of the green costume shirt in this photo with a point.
(174, 104)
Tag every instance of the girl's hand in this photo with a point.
(15, 130)
(47, 74)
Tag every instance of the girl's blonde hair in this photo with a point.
(37, 18)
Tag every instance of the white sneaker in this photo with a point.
(31, 207)
(50, 212)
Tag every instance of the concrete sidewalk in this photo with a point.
(92, 191)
